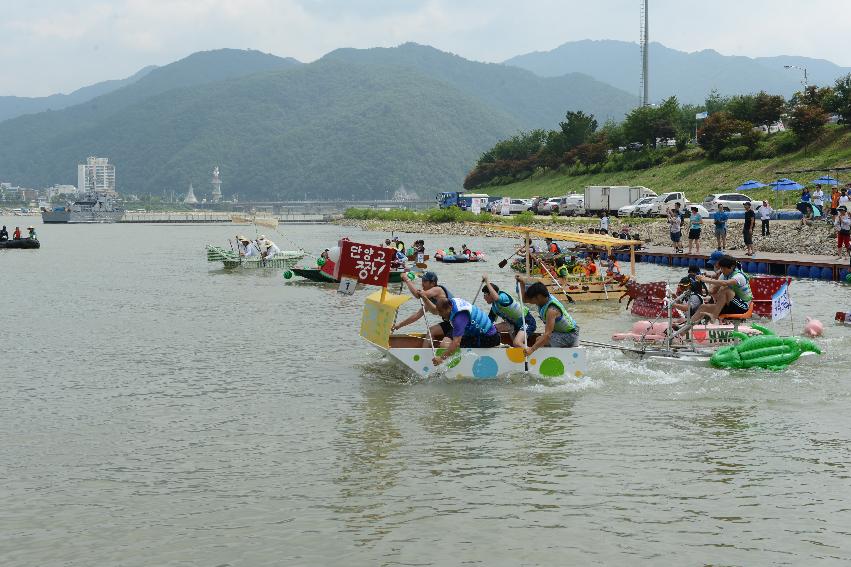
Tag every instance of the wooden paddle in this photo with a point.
(504, 262)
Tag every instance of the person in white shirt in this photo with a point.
(271, 249)
(765, 216)
(250, 248)
(604, 223)
(843, 199)
(818, 197)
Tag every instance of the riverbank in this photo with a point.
(787, 237)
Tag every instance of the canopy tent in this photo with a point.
(785, 184)
(825, 180)
(750, 184)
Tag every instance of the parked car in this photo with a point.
(572, 205)
(733, 201)
(517, 206)
(634, 146)
(550, 206)
(629, 210)
(659, 205)
(537, 202)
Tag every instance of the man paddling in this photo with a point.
(734, 295)
(560, 329)
(511, 311)
(434, 292)
(470, 327)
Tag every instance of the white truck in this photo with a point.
(610, 198)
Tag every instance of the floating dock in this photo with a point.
(814, 266)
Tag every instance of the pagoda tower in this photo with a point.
(190, 198)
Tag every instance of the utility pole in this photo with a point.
(645, 47)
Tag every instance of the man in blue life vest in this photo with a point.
(734, 295)
(471, 327)
(511, 311)
(433, 292)
(560, 330)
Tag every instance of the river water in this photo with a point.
(159, 411)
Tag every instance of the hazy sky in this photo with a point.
(49, 46)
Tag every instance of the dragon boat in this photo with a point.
(231, 260)
(379, 314)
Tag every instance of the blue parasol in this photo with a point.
(825, 180)
(750, 184)
(785, 184)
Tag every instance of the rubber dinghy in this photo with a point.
(442, 256)
(20, 243)
(379, 314)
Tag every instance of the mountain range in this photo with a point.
(689, 76)
(356, 123)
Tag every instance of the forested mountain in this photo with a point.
(356, 123)
(689, 76)
(536, 102)
(12, 106)
(328, 129)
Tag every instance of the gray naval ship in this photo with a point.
(90, 208)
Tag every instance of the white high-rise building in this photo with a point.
(97, 175)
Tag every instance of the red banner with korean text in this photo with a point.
(367, 263)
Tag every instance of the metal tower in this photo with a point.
(645, 47)
(217, 186)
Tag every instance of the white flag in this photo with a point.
(781, 303)
(701, 115)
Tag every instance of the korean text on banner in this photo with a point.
(366, 263)
(781, 303)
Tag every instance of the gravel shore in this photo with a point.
(786, 236)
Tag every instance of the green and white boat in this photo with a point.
(232, 261)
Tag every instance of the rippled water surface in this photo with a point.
(159, 411)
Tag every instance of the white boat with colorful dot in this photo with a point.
(379, 315)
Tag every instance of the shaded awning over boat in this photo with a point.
(603, 240)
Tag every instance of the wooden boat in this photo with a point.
(575, 287)
(413, 257)
(21, 243)
(380, 311)
(231, 260)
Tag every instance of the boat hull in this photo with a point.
(489, 363)
(231, 261)
(586, 290)
(21, 243)
(317, 275)
(78, 217)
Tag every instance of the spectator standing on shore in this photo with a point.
(843, 199)
(695, 224)
(805, 195)
(721, 217)
(834, 200)
(604, 223)
(818, 198)
(750, 222)
(843, 232)
(675, 222)
(765, 216)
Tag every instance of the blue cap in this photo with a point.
(717, 255)
(430, 277)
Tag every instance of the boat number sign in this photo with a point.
(366, 263)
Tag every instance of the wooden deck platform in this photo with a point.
(774, 263)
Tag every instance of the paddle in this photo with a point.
(428, 329)
(555, 281)
(504, 262)
(525, 333)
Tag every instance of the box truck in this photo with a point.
(610, 198)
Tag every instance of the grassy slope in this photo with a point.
(699, 178)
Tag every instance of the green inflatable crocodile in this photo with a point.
(762, 351)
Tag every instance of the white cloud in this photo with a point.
(56, 45)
